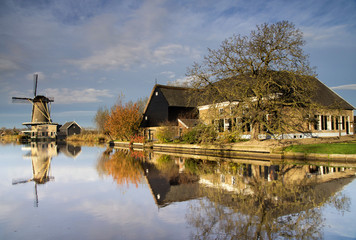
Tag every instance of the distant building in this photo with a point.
(69, 129)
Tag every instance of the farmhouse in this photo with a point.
(173, 106)
(165, 106)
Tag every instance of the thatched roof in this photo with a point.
(322, 94)
(175, 96)
(328, 98)
(182, 96)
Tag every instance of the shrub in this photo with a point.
(166, 134)
(200, 134)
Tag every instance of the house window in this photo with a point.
(245, 125)
(180, 133)
(343, 123)
(146, 118)
(221, 111)
(222, 178)
(337, 122)
(332, 122)
(227, 124)
(221, 125)
(233, 180)
(316, 122)
(324, 122)
(156, 93)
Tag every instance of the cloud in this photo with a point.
(75, 113)
(345, 87)
(69, 96)
(185, 81)
(8, 65)
(41, 76)
(143, 38)
(168, 53)
(169, 74)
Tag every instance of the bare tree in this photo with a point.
(267, 72)
(100, 118)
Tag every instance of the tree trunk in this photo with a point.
(254, 131)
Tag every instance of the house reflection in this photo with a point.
(244, 199)
(182, 179)
(41, 154)
(235, 198)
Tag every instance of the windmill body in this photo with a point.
(41, 124)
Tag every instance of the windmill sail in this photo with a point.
(21, 100)
(35, 78)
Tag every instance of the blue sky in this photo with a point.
(89, 52)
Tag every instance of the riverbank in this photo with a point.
(267, 149)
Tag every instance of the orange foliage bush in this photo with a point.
(137, 139)
(123, 121)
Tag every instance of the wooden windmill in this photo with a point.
(41, 124)
(41, 106)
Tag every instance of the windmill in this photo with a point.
(41, 106)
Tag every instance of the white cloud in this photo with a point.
(121, 56)
(8, 65)
(143, 38)
(185, 81)
(75, 113)
(325, 36)
(69, 96)
(41, 76)
(169, 74)
(345, 87)
(168, 53)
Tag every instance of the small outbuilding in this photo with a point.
(70, 128)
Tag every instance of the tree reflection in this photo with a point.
(124, 166)
(260, 209)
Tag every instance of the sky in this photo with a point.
(87, 52)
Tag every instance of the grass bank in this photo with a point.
(88, 137)
(324, 148)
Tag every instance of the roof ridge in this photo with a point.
(171, 87)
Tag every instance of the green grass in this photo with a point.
(327, 148)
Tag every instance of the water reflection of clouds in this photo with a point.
(173, 213)
(135, 221)
(66, 174)
(335, 221)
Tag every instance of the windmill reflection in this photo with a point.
(41, 154)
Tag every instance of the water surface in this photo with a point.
(50, 191)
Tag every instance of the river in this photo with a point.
(50, 191)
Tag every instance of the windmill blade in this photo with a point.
(18, 181)
(21, 100)
(35, 79)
